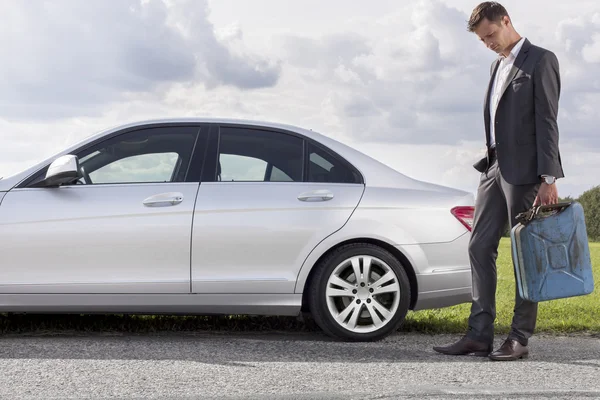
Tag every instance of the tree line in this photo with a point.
(590, 201)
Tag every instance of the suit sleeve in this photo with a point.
(546, 93)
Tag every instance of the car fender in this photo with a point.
(359, 229)
(398, 219)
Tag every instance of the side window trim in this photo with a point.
(146, 132)
(347, 164)
(214, 147)
(209, 173)
(211, 158)
(305, 160)
(199, 154)
(202, 132)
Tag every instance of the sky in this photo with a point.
(401, 81)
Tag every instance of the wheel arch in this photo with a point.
(397, 253)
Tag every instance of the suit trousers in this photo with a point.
(497, 203)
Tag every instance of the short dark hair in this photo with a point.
(490, 10)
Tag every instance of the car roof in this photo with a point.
(212, 120)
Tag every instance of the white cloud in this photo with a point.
(579, 47)
(72, 58)
(419, 78)
(591, 52)
(578, 50)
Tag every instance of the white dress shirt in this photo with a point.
(506, 64)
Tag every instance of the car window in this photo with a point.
(242, 168)
(153, 167)
(142, 156)
(325, 167)
(279, 175)
(254, 155)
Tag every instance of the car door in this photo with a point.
(125, 227)
(274, 196)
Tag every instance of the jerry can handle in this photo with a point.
(534, 212)
(551, 207)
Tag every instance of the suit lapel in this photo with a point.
(486, 105)
(516, 67)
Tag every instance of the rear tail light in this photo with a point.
(465, 215)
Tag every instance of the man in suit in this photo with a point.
(519, 170)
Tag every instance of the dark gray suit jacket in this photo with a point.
(526, 128)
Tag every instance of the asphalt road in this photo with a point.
(287, 366)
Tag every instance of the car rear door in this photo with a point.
(128, 231)
(270, 197)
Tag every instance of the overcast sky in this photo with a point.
(403, 83)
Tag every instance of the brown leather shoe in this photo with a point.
(465, 346)
(509, 351)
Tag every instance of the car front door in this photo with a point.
(273, 197)
(125, 227)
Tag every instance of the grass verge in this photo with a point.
(577, 314)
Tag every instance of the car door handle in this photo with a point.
(317, 195)
(164, 199)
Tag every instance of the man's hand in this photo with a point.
(548, 194)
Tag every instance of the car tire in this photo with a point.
(326, 306)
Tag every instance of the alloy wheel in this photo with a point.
(363, 294)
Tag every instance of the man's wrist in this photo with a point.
(548, 179)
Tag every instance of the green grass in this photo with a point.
(575, 314)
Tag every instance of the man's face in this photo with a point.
(495, 35)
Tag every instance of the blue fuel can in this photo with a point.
(551, 254)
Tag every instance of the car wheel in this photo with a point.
(360, 293)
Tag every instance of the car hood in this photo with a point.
(4, 186)
(9, 182)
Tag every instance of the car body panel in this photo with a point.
(410, 216)
(442, 271)
(210, 256)
(150, 303)
(96, 239)
(258, 245)
(409, 220)
(438, 267)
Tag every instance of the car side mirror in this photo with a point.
(63, 170)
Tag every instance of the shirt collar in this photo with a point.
(515, 50)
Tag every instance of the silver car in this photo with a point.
(220, 216)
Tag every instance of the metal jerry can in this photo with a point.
(551, 254)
